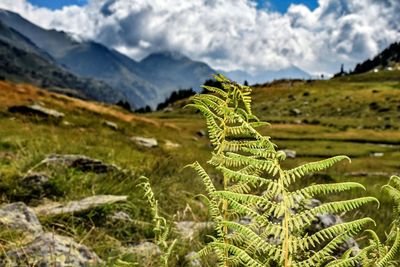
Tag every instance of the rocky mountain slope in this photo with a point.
(147, 82)
(23, 61)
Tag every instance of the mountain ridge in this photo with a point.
(141, 83)
(22, 61)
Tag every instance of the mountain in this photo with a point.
(88, 59)
(22, 61)
(173, 70)
(267, 75)
(387, 59)
(147, 82)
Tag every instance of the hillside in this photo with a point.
(389, 58)
(315, 119)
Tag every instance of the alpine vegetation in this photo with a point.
(277, 210)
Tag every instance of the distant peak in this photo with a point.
(169, 54)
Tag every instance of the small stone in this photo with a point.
(294, 112)
(146, 250)
(192, 260)
(201, 133)
(190, 229)
(120, 216)
(171, 145)
(111, 125)
(377, 154)
(146, 142)
(291, 154)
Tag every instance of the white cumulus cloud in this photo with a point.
(232, 35)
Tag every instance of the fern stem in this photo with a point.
(286, 219)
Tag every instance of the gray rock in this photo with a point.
(18, 216)
(120, 216)
(201, 133)
(37, 110)
(146, 142)
(111, 125)
(190, 230)
(291, 154)
(35, 181)
(377, 154)
(295, 112)
(145, 249)
(50, 250)
(192, 260)
(78, 206)
(80, 162)
(37, 186)
(171, 145)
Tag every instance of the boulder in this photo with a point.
(37, 110)
(146, 142)
(80, 162)
(85, 204)
(18, 216)
(51, 250)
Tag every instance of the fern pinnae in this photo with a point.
(307, 216)
(330, 232)
(317, 189)
(392, 252)
(307, 168)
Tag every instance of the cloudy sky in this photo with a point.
(316, 36)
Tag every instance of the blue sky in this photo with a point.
(276, 5)
(56, 4)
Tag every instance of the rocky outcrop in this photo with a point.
(37, 247)
(48, 250)
(37, 110)
(18, 216)
(80, 162)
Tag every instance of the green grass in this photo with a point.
(336, 115)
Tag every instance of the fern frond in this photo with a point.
(392, 252)
(262, 245)
(323, 255)
(216, 90)
(305, 243)
(305, 218)
(307, 168)
(245, 258)
(324, 189)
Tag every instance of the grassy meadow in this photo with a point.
(358, 116)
